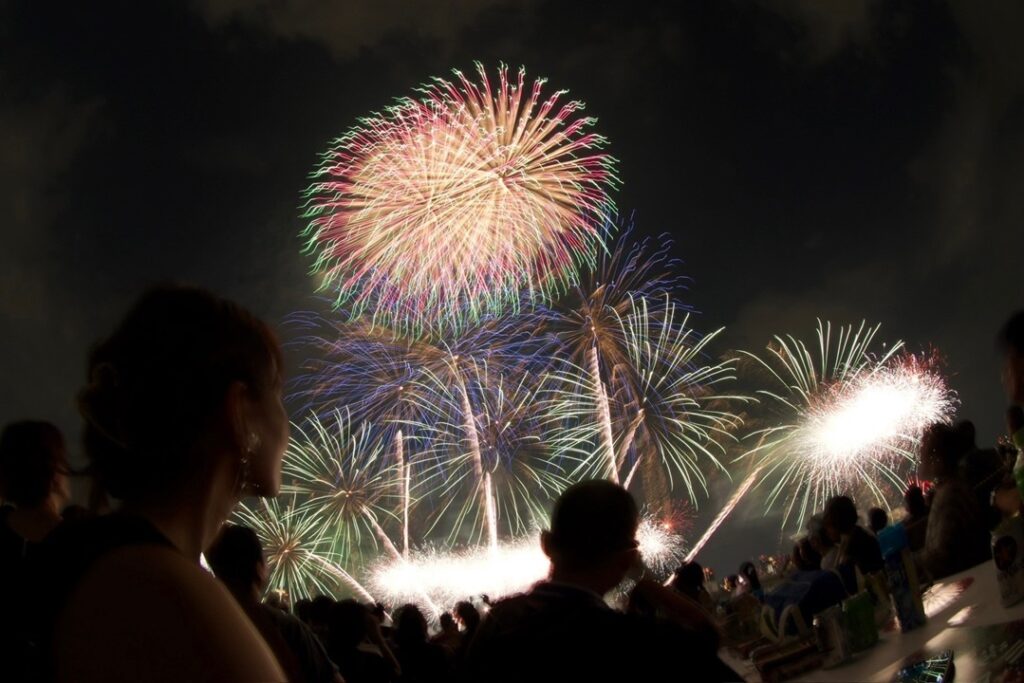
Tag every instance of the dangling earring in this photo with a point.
(251, 445)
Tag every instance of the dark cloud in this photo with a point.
(345, 28)
(825, 28)
(42, 137)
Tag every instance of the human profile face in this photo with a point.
(270, 425)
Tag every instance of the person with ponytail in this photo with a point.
(183, 417)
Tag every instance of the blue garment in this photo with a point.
(812, 591)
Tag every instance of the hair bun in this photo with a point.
(99, 403)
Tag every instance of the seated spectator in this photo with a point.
(302, 606)
(822, 543)
(236, 558)
(467, 616)
(877, 520)
(958, 531)
(320, 615)
(809, 587)
(420, 660)
(1006, 497)
(749, 581)
(981, 469)
(183, 416)
(1011, 342)
(352, 630)
(562, 630)
(859, 551)
(449, 637)
(278, 598)
(805, 556)
(916, 521)
(468, 619)
(1014, 433)
(688, 579)
(383, 619)
(34, 488)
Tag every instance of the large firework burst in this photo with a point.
(488, 460)
(586, 320)
(845, 419)
(660, 406)
(371, 370)
(448, 206)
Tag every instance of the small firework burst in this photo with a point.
(297, 550)
(661, 544)
(845, 418)
(345, 474)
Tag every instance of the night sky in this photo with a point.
(845, 160)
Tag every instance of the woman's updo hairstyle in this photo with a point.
(158, 383)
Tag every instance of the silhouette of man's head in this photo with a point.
(942, 447)
(468, 615)
(320, 612)
(236, 558)
(840, 516)
(592, 539)
(692, 573)
(688, 578)
(349, 621)
(913, 501)
(877, 519)
(33, 464)
(410, 626)
(448, 622)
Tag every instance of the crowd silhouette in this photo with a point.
(183, 416)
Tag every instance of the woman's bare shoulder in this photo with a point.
(147, 613)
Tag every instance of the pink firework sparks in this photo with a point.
(446, 207)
